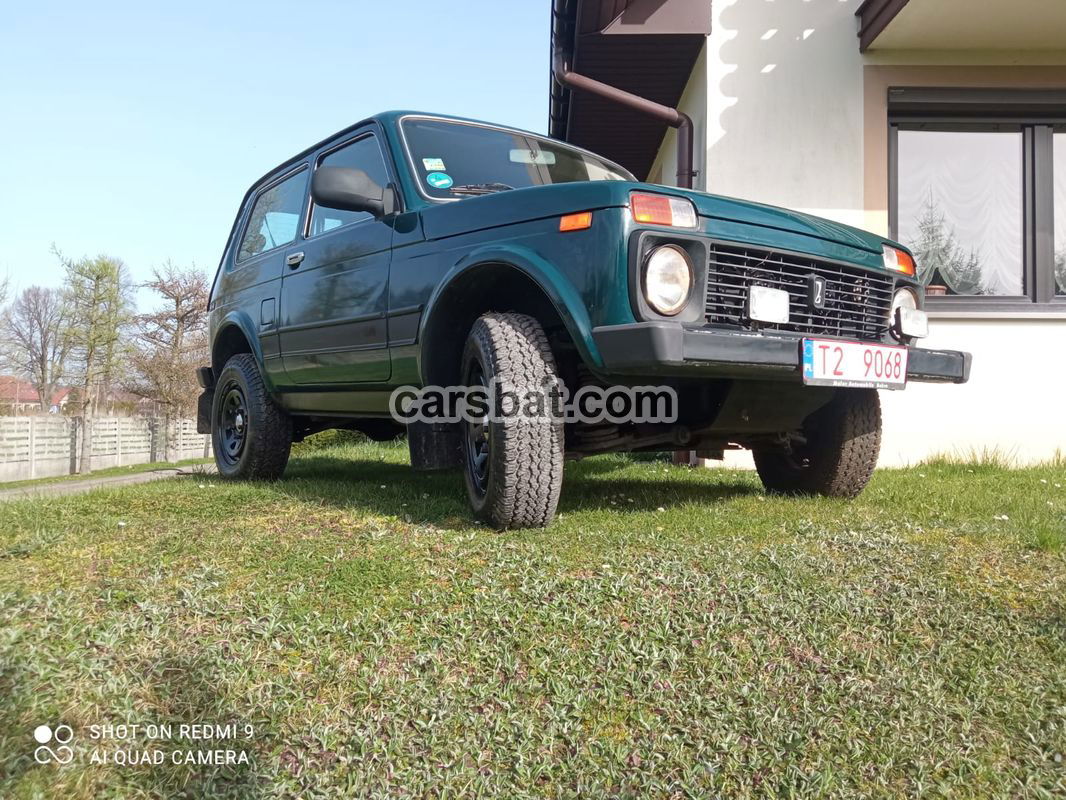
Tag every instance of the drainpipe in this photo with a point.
(671, 116)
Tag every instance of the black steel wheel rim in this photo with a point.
(232, 424)
(476, 442)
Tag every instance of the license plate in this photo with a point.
(827, 362)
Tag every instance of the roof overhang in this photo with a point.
(647, 47)
(961, 25)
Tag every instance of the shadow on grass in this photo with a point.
(188, 687)
(185, 686)
(384, 488)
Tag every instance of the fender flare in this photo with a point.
(243, 323)
(557, 287)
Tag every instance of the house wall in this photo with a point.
(794, 115)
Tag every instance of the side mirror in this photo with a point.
(349, 189)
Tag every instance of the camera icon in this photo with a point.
(61, 736)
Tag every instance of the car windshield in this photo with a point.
(455, 159)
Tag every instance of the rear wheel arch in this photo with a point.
(229, 341)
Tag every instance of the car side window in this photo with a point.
(275, 217)
(365, 154)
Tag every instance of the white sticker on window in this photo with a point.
(433, 164)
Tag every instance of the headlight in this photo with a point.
(667, 279)
(905, 319)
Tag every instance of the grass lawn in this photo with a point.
(676, 633)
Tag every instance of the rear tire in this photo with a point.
(251, 435)
(843, 440)
(513, 466)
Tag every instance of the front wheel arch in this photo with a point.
(493, 286)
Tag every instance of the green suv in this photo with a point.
(414, 250)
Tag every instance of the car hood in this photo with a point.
(731, 209)
(503, 208)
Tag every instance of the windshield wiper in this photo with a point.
(480, 188)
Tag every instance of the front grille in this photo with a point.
(857, 301)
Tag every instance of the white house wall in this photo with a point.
(785, 88)
(777, 98)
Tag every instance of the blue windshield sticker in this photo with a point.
(439, 180)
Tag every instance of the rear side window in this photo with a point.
(275, 217)
(365, 154)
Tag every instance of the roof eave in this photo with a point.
(874, 16)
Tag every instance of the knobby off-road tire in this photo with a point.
(513, 466)
(250, 433)
(843, 440)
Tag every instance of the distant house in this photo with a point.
(20, 397)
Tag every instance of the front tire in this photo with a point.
(513, 465)
(837, 453)
(251, 435)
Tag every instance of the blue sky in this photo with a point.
(134, 128)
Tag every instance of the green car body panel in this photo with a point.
(371, 306)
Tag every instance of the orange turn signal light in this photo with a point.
(898, 260)
(575, 222)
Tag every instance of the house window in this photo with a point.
(959, 209)
(1059, 146)
(978, 192)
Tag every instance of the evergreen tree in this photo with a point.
(937, 252)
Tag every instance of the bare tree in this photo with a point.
(6, 354)
(171, 342)
(34, 329)
(99, 301)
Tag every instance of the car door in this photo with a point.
(334, 292)
(251, 278)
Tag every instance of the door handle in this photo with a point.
(294, 259)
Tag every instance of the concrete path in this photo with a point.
(89, 483)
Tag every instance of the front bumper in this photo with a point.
(668, 348)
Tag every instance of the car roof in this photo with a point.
(385, 117)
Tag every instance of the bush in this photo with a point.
(326, 439)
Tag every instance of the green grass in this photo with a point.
(110, 472)
(911, 643)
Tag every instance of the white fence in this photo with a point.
(45, 446)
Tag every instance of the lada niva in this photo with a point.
(420, 250)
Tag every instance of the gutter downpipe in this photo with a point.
(671, 116)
